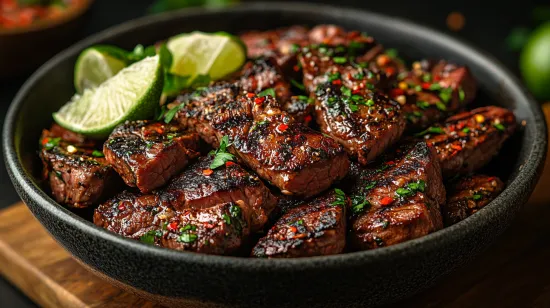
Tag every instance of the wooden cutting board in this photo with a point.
(514, 272)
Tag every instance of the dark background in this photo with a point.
(487, 26)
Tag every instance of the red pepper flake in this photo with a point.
(229, 163)
(172, 226)
(456, 147)
(207, 172)
(337, 82)
(390, 71)
(45, 140)
(356, 91)
(298, 236)
(208, 225)
(382, 60)
(386, 201)
(307, 119)
(259, 100)
(490, 179)
(396, 92)
(436, 78)
(349, 76)
(250, 95)
(460, 125)
(426, 85)
(121, 207)
(452, 128)
(293, 229)
(391, 162)
(282, 127)
(296, 68)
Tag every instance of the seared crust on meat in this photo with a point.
(397, 199)
(78, 176)
(467, 141)
(230, 183)
(147, 154)
(467, 195)
(314, 229)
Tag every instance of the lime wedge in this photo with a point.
(213, 54)
(131, 94)
(97, 64)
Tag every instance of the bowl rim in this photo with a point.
(42, 25)
(526, 177)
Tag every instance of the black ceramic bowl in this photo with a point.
(353, 279)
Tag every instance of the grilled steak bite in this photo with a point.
(301, 108)
(397, 199)
(314, 229)
(433, 90)
(78, 175)
(147, 154)
(363, 122)
(467, 195)
(219, 229)
(279, 149)
(201, 187)
(467, 141)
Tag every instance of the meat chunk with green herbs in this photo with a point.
(147, 154)
(316, 228)
(77, 173)
(467, 141)
(397, 199)
(469, 194)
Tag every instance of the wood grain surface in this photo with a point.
(513, 272)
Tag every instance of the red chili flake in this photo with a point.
(456, 147)
(356, 91)
(296, 68)
(250, 94)
(208, 225)
(460, 125)
(259, 100)
(391, 162)
(452, 128)
(337, 82)
(207, 172)
(390, 71)
(229, 163)
(426, 85)
(437, 78)
(45, 140)
(386, 201)
(121, 207)
(396, 92)
(293, 229)
(490, 179)
(172, 226)
(299, 236)
(354, 34)
(307, 119)
(349, 76)
(282, 127)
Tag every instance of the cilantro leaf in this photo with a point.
(266, 92)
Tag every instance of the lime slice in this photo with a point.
(213, 54)
(97, 64)
(131, 94)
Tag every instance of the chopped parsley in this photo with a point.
(417, 88)
(345, 91)
(411, 188)
(461, 94)
(297, 84)
(187, 238)
(499, 126)
(359, 76)
(149, 237)
(226, 218)
(258, 124)
(221, 156)
(235, 211)
(385, 224)
(266, 92)
(422, 104)
(340, 60)
(340, 197)
(52, 143)
(370, 102)
(334, 76)
(477, 197)
(359, 204)
(188, 227)
(392, 52)
(370, 185)
(300, 222)
(435, 86)
(97, 153)
(466, 130)
(427, 77)
(446, 94)
(170, 114)
(431, 130)
(441, 106)
(294, 48)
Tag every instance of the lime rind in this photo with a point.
(97, 64)
(132, 94)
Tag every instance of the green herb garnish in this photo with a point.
(266, 92)
(466, 130)
(52, 143)
(461, 94)
(187, 238)
(446, 94)
(359, 204)
(97, 153)
(221, 156)
(499, 126)
(340, 197)
(226, 218)
(431, 130)
(340, 60)
(297, 84)
(477, 197)
(441, 106)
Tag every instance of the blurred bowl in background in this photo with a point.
(23, 49)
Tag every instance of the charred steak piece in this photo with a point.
(147, 154)
(198, 186)
(219, 229)
(467, 141)
(281, 150)
(314, 229)
(261, 74)
(433, 90)
(467, 195)
(365, 123)
(301, 108)
(397, 199)
(79, 176)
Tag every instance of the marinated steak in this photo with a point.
(291, 156)
(467, 141)
(313, 229)
(147, 154)
(467, 195)
(431, 91)
(219, 229)
(198, 186)
(397, 199)
(262, 74)
(78, 175)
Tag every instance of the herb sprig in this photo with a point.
(221, 156)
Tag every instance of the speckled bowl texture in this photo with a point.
(357, 279)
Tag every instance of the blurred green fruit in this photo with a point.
(535, 62)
